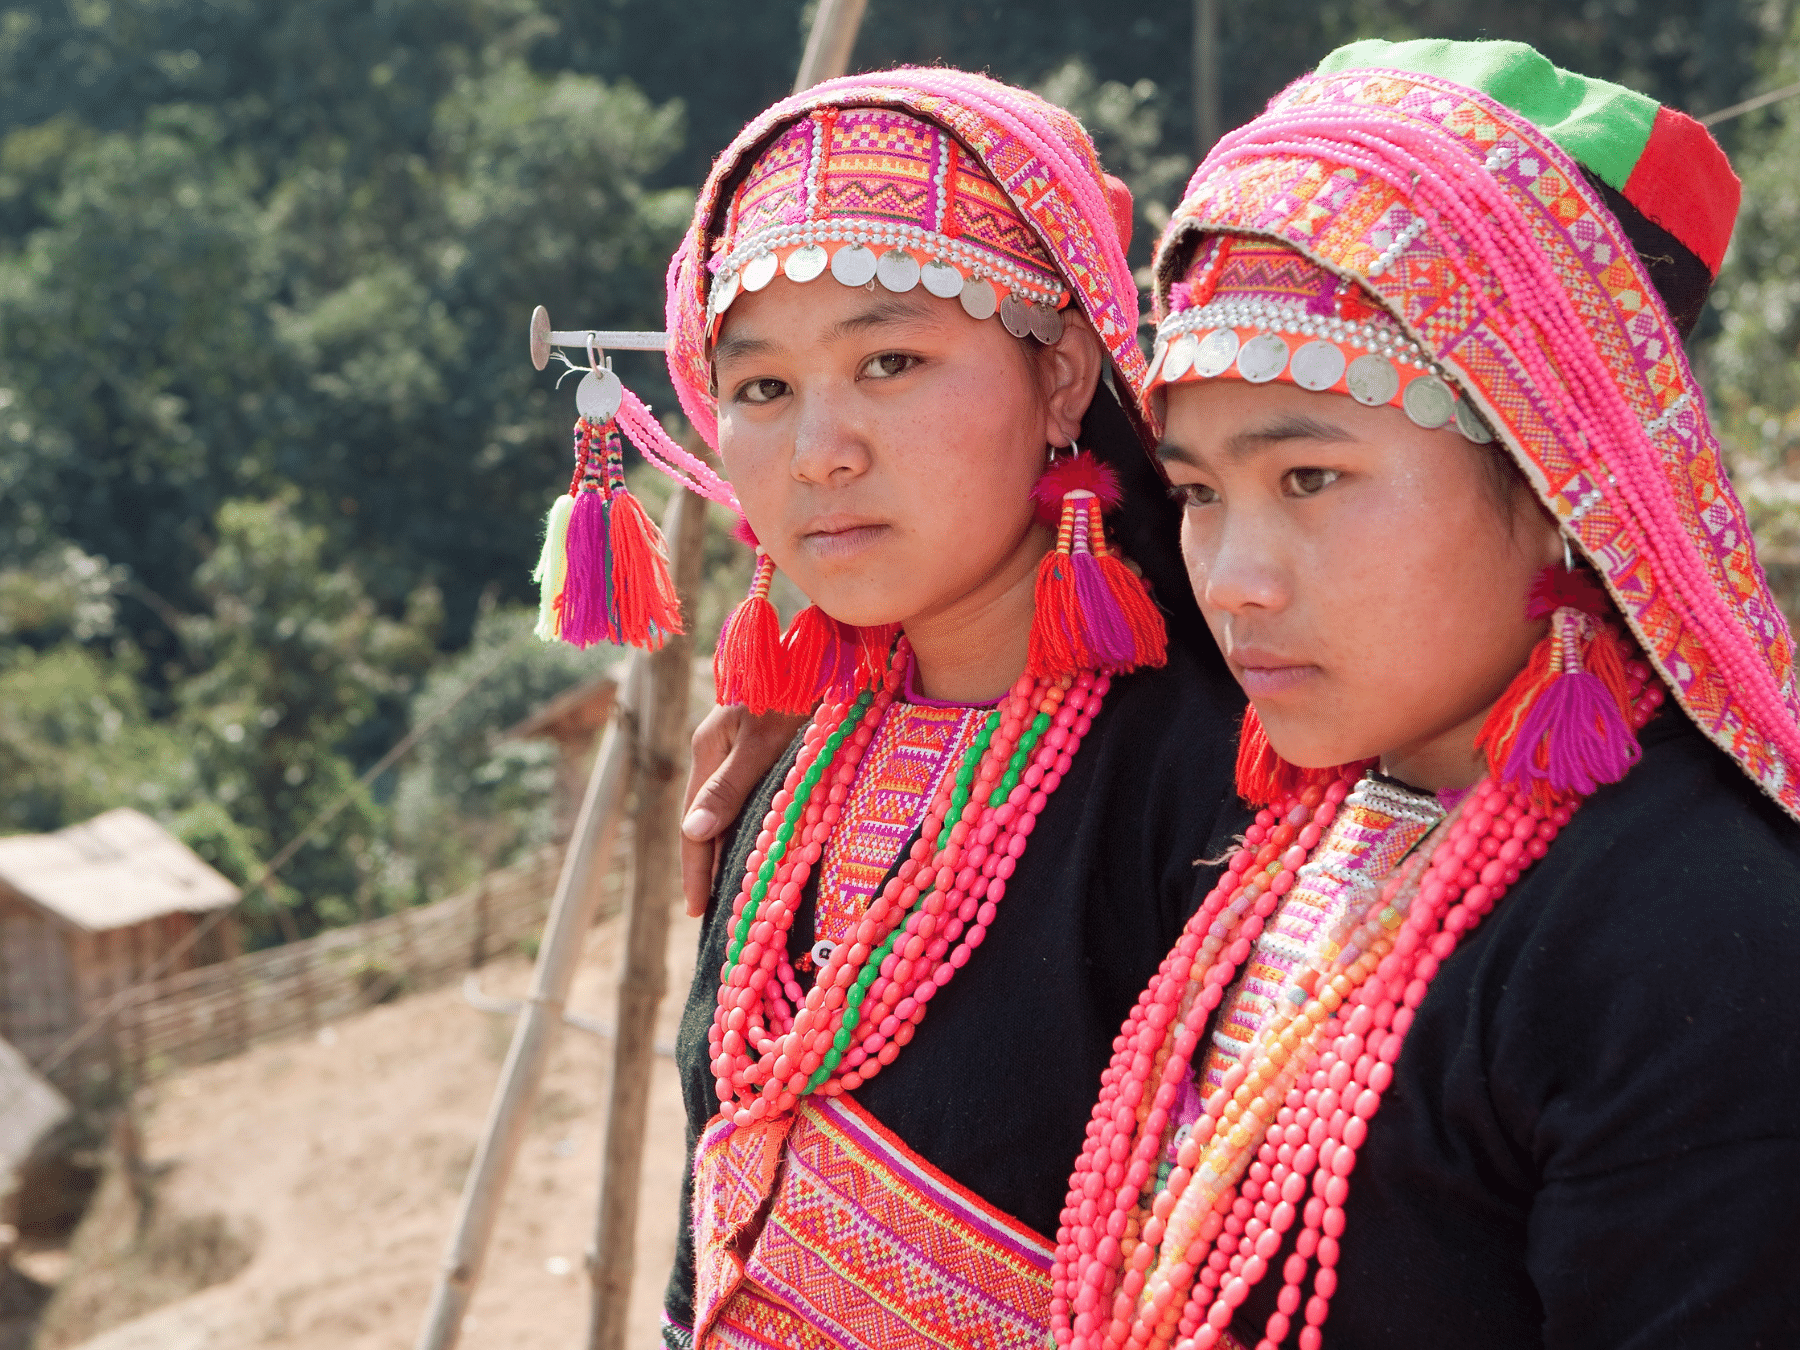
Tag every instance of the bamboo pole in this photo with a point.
(643, 976)
(571, 914)
(829, 44)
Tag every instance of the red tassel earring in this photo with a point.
(604, 570)
(1092, 612)
(1264, 777)
(1564, 725)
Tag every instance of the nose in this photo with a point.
(1234, 562)
(831, 447)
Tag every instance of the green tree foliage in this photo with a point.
(272, 465)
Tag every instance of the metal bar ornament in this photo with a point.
(544, 337)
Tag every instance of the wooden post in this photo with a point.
(1206, 76)
(643, 976)
(570, 915)
(829, 44)
(231, 938)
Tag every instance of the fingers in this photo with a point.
(699, 860)
(732, 752)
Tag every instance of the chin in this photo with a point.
(1308, 746)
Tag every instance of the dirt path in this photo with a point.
(343, 1156)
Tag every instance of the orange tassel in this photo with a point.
(1264, 777)
(747, 664)
(1149, 634)
(1501, 728)
(1050, 653)
(649, 609)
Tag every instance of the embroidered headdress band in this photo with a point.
(874, 194)
(1258, 312)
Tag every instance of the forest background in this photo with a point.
(272, 460)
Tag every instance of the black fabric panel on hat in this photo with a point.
(1675, 270)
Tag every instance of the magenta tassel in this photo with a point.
(1586, 739)
(584, 618)
(1105, 631)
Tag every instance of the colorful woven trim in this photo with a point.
(1042, 161)
(1664, 162)
(868, 1245)
(1526, 291)
(873, 194)
(1274, 315)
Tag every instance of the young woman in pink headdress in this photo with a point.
(904, 317)
(1482, 1038)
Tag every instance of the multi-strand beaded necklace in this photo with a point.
(771, 1043)
(1147, 1262)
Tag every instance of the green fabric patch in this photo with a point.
(1604, 126)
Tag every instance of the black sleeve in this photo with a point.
(691, 1060)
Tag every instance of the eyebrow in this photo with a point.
(909, 311)
(1246, 444)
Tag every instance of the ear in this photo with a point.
(1068, 374)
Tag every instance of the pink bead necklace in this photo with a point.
(1277, 1142)
(770, 1043)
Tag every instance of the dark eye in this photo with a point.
(1308, 482)
(1189, 495)
(762, 391)
(887, 365)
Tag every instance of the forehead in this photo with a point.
(789, 316)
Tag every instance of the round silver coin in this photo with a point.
(724, 291)
(1180, 358)
(1318, 365)
(897, 271)
(1217, 351)
(1016, 315)
(759, 272)
(941, 279)
(597, 396)
(1262, 358)
(1470, 423)
(1046, 324)
(1372, 380)
(978, 300)
(1157, 353)
(854, 265)
(1429, 402)
(804, 264)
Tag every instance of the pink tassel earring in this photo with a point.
(1564, 725)
(1092, 611)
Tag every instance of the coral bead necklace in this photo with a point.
(1269, 1158)
(771, 1043)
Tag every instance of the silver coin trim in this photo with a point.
(854, 265)
(1429, 402)
(1318, 365)
(898, 271)
(1263, 358)
(1372, 380)
(1217, 350)
(805, 264)
(978, 300)
(941, 279)
(759, 272)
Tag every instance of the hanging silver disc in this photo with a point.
(805, 264)
(1262, 358)
(724, 291)
(1429, 402)
(1157, 353)
(1046, 324)
(978, 300)
(759, 272)
(1470, 423)
(854, 265)
(1318, 365)
(540, 337)
(897, 271)
(597, 396)
(1372, 380)
(1216, 353)
(1016, 315)
(941, 279)
(1180, 357)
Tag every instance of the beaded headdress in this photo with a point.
(990, 191)
(1462, 188)
(875, 194)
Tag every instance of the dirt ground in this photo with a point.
(336, 1162)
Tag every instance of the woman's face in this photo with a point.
(884, 446)
(1363, 576)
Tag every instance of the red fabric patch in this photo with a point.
(1684, 183)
